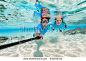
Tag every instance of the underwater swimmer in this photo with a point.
(63, 21)
(42, 28)
(58, 24)
(40, 10)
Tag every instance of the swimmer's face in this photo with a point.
(45, 10)
(44, 22)
(58, 21)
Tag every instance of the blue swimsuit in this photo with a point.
(41, 29)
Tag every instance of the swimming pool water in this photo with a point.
(17, 17)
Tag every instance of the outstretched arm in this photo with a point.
(38, 5)
(37, 33)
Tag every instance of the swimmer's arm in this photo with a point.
(62, 28)
(35, 33)
(51, 25)
(37, 29)
(65, 25)
(38, 5)
(39, 34)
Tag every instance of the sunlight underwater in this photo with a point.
(70, 43)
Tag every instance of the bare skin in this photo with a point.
(59, 20)
(40, 35)
(44, 25)
(44, 14)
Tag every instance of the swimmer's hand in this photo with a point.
(39, 35)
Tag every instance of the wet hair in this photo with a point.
(62, 22)
(46, 18)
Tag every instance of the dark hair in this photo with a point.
(46, 18)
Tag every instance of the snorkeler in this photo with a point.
(42, 28)
(40, 10)
(60, 15)
(58, 24)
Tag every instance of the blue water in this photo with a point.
(17, 20)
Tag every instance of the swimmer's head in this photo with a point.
(59, 20)
(45, 21)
